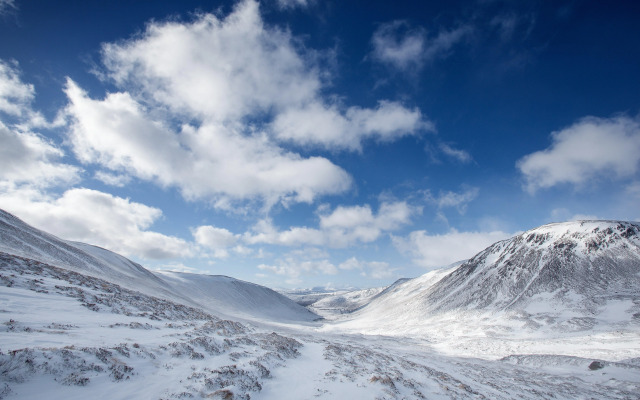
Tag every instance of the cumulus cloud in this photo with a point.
(209, 162)
(15, 96)
(325, 126)
(209, 122)
(28, 158)
(344, 226)
(397, 45)
(590, 148)
(217, 239)
(97, 218)
(247, 68)
(433, 251)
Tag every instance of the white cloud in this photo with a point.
(15, 96)
(370, 269)
(210, 162)
(406, 49)
(296, 264)
(403, 51)
(97, 218)
(432, 251)
(459, 200)
(344, 226)
(289, 4)
(247, 68)
(206, 121)
(217, 239)
(457, 154)
(326, 126)
(27, 158)
(6, 5)
(112, 179)
(589, 149)
(293, 268)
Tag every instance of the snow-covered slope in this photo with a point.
(583, 263)
(235, 298)
(21, 239)
(399, 307)
(566, 285)
(68, 331)
(217, 295)
(344, 302)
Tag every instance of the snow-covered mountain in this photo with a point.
(579, 278)
(235, 298)
(219, 295)
(344, 302)
(81, 322)
(584, 263)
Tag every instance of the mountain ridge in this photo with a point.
(560, 277)
(233, 297)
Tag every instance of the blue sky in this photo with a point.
(300, 143)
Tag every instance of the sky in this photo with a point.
(309, 143)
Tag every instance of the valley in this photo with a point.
(78, 321)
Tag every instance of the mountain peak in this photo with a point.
(580, 257)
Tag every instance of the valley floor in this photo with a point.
(67, 336)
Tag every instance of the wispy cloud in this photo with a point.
(7, 6)
(407, 49)
(291, 4)
(458, 200)
(457, 154)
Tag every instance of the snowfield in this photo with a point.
(78, 322)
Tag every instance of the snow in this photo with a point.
(230, 297)
(78, 321)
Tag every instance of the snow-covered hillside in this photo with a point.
(235, 298)
(582, 264)
(344, 302)
(81, 322)
(219, 295)
(575, 282)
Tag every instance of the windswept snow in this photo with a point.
(78, 321)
